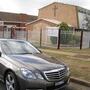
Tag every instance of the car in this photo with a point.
(24, 67)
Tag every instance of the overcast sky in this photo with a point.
(32, 6)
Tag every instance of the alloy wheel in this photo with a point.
(10, 82)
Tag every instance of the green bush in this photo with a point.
(70, 39)
(65, 38)
(53, 39)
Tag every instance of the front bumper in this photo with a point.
(41, 84)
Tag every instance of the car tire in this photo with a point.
(11, 82)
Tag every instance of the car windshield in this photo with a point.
(17, 47)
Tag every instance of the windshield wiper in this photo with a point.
(23, 53)
(26, 53)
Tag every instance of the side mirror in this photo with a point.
(40, 51)
(0, 54)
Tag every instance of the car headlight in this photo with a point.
(39, 76)
(27, 73)
(68, 71)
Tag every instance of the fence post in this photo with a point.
(11, 32)
(26, 34)
(3, 31)
(41, 37)
(81, 40)
(59, 39)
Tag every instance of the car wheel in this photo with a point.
(11, 81)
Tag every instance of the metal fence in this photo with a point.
(86, 39)
(13, 32)
(34, 37)
(70, 38)
(21, 33)
(42, 38)
(49, 38)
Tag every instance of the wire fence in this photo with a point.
(49, 37)
(13, 32)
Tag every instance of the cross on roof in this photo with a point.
(55, 10)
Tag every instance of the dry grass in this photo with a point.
(80, 68)
(72, 50)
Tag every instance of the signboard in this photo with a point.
(52, 31)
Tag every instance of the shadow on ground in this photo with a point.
(72, 86)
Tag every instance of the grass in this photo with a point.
(77, 50)
(73, 50)
(80, 68)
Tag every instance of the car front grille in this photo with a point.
(55, 75)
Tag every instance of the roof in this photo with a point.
(44, 19)
(52, 21)
(56, 3)
(5, 16)
(47, 20)
(62, 4)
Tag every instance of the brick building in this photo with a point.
(9, 21)
(75, 16)
(60, 12)
(15, 19)
(53, 14)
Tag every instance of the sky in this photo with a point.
(31, 6)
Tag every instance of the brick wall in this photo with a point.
(64, 13)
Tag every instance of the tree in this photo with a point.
(88, 22)
(63, 26)
(66, 37)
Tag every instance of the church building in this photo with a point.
(55, 13)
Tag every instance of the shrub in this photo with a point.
(53, 39)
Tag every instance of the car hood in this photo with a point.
(37, 61)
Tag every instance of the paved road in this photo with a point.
(72, 86)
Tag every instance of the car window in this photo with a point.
(17, 47)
